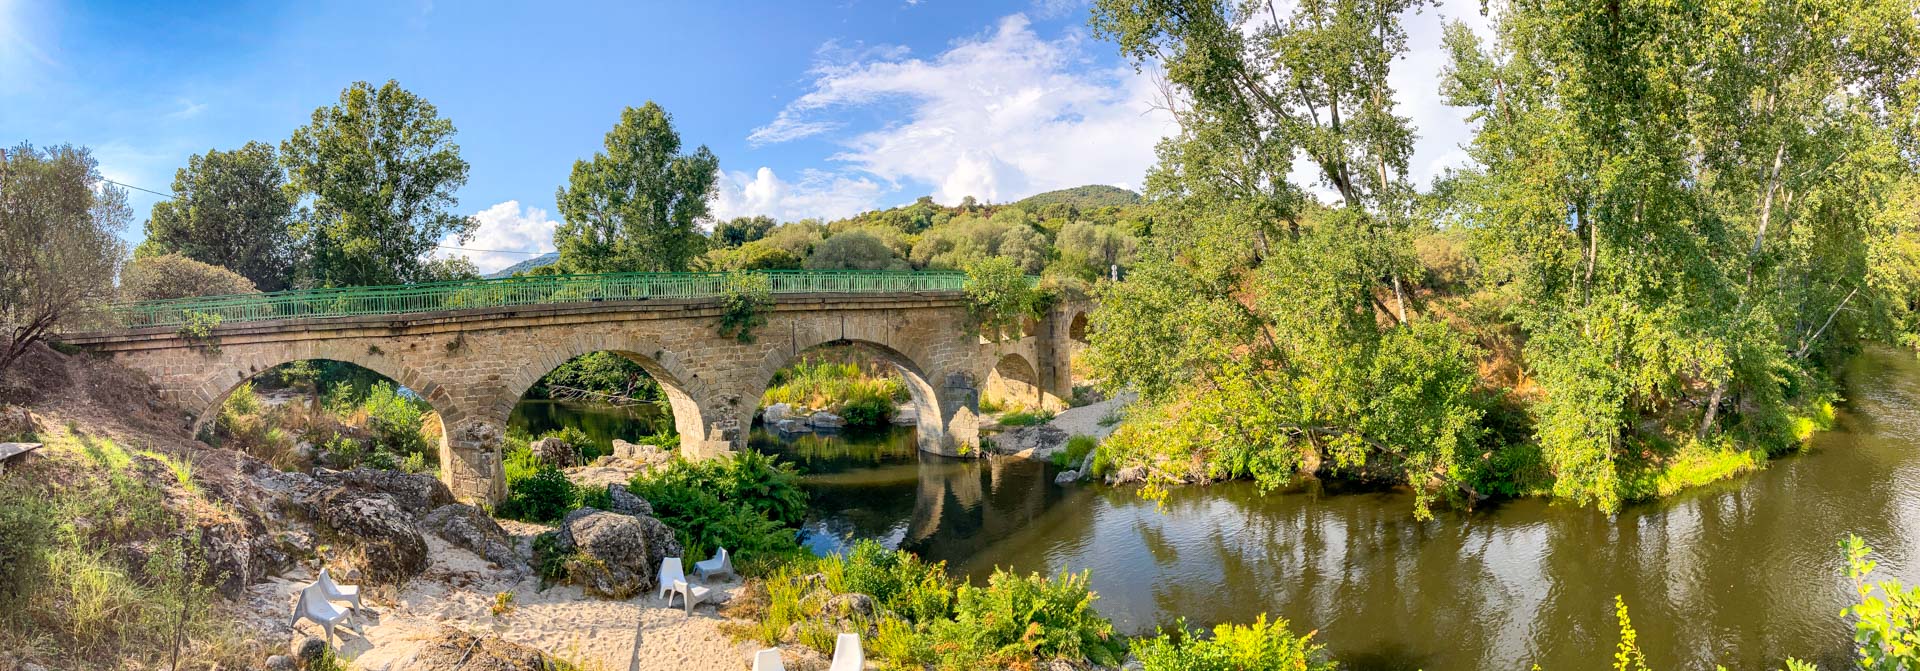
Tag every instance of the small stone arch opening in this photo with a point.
(1014, 384)
(329, 412)
(1077, 330)
(603, 396)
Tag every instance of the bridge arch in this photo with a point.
(931, 422)
(1015, 381)
(212, 391)
(667, 369)
(1077, 329)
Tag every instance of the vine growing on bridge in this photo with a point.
(745, 299)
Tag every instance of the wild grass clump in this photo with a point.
(921, 618)
(1078, 447)
(97, 572)
(375, 426)
(748, 503)
(1261, 646)
(1025, 417)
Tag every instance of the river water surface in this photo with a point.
(1743, 573)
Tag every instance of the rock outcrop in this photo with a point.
(826, 420)
(391, 549)
(614, 555)
(555, 452)
(776, 412)
(471, 528)
(415, 493)
(628, 503)
(645, 454)
(451, 649)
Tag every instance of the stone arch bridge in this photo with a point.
(472, 365)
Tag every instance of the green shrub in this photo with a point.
(548, 560)
(1020, 622)
(1025, 418)
(545, 497)
(747, 503)
(395, 420)
(1077, 449)
(867, 411)
(596, 497)
(1261, 646)
(1886, 627)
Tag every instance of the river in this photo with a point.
(1742, 573)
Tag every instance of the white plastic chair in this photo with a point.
(338, 592)
(313, 605)
(847, 655)
(671, 570)
(720, 564)
(768, 660)
(673, 580)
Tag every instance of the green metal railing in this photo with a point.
(506, 291)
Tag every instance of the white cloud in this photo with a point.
(188, 109)
(506, 227)
(817, 194)
(998, 117)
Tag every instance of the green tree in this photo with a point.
(638, 205)
(59, 242)
(1682, 200)
(230, 209)
(742, 230)
(1276, 334)
(854, 250)
(382, 171)
(174, 276)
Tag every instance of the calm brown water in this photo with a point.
(1743, 573)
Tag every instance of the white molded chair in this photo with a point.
(313, 605)
(720, 564)
(338, 592)
(768, 660)
(673, 580)
(847, 655)
(671, 570)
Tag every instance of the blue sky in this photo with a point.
(815, 109)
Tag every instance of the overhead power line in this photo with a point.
(170, 196)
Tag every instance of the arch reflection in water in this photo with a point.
(878, 485)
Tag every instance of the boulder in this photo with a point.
(628, 503)
(1066, 477)
(906, 415)
(848, 605)
(416, 493)
(776, 412)
(450, 649)
(1086, 462)
(646, 454)
(1128, 474)
(307, 650)
(471, 528)
(826, 420)
(16, 423)
(792, 426)
(279, 663)
(614, 555)
(391, 549)
(555, 452)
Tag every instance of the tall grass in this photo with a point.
(75, 594)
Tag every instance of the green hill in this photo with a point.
(1089, 196)
(544, 259)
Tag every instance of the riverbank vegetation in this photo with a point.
(916, 616)
(360, 420)
(858, 388)
(1642, 282)
(748, 503)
